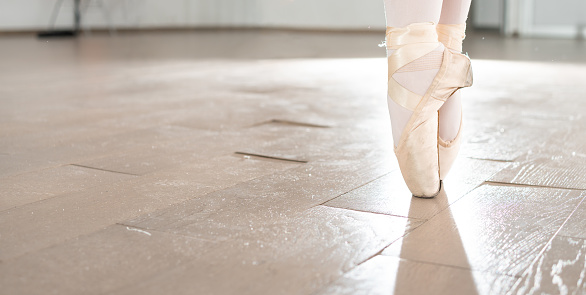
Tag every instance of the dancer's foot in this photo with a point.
(415, 77)
(450, 114)
(422, 75)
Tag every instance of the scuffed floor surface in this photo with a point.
(276, 176)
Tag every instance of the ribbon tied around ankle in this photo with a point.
(413, 33)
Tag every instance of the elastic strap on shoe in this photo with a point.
(452, 35)
(413, 33)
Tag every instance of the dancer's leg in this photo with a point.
(453, 12)
(401, 13)
(418, 75)
(422, 75)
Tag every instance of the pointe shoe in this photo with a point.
(451, 36)
(448, 152)
(417, 149)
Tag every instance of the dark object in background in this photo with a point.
(66, 33)
(63, 33)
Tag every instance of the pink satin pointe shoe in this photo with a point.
(451, 36)
(417, 149)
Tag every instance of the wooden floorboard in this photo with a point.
(184, 163)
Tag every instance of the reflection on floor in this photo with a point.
(194, 163)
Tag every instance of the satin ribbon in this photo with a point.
(452, 35)
(413, 33)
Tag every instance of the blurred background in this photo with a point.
(525, 18)
(534, 30)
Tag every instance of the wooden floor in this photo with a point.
(255, 162)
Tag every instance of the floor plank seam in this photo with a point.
(105, 170)
(378, 213)
(84, 234)
(455, 201)
(492, 160)
(208, 193)
(271, 157)
(457, 267)
(327, 284)
(353, 189)
(127, 180)
(394, 241)
(290, 122)
(491, 182)
(379, 253)
(425, 219)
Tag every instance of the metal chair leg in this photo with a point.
(105, 14)
(77, 14)
(55, 13)
(107, 17)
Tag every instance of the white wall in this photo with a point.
(487, 13)
(313, 14)
(561, 18)
(527, 17)
(546, 18)
(35, 14)
(336, 14)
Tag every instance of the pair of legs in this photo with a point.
(426, 70)
(400, 13)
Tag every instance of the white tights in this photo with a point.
(401, 13)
